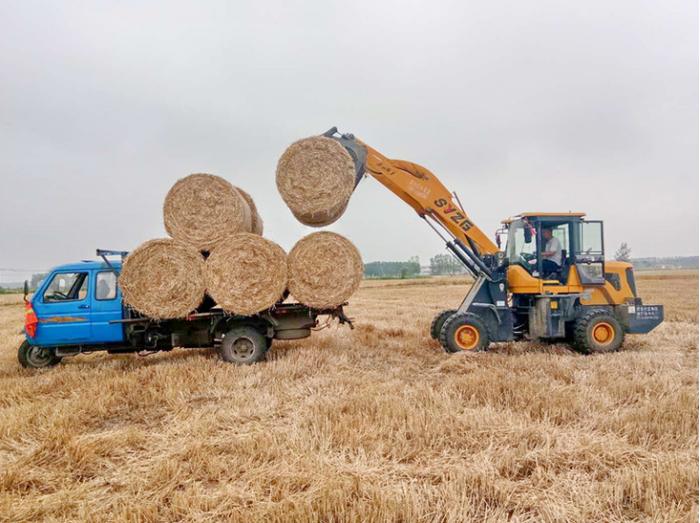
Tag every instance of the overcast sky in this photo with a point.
(517, 106)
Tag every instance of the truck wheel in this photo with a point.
(597, 331)
(243, 345)
(33, 357)
(464, 332)
(439, 321)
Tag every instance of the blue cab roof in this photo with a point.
(87, 265)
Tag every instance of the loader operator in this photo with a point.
(551, 256)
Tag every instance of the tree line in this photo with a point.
(440, 264)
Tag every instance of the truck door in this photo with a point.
(63, 309)
(106, 306)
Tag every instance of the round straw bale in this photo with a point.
(316, 177)
(163, 279)
(256, 226)
(203, 209)
(324, 270)
(246, 273)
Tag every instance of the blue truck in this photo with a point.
(78, 308)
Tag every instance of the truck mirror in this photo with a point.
(528, 234)
(26, 289)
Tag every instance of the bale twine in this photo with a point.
(316, 177)
(163, 279)
(324, 270)
(256, 226)
(203, 209)
(246, 273)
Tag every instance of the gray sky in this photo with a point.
(517, 106)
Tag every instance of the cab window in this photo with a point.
(590, 258)
(520, 250)
(106, 285)
(561, 233)
(591, 238)
(67, 286)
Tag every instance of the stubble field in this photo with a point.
(373, 424)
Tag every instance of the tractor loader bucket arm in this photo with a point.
(426, 194)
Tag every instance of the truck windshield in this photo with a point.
(519, 251)
(66, 286)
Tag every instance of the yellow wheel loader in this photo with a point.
(551, 281)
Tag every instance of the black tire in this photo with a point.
(243, 345)
(439, 321)
(597, 331)
(33, 357)
(464, 332)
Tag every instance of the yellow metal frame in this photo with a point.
(520, 281)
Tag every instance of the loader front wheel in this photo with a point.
(33, 357)
(464, 332)
(597, 331)
(439, 321)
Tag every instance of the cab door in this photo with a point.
(63, 309)
(590, 252)
(106, 306)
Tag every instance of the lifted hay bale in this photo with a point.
(316, 177)
(256, 226)
(203, 209)
(246, 274)
(325, 269)
(163, 279)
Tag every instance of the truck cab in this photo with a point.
(75, 304)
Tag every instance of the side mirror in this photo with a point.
(26, 289)
(527, 231)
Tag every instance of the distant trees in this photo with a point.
(393, 269)
(623, 252)
(445, 264)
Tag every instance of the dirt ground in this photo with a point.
(371, 424)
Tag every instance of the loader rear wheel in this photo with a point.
(464, 332)
(597, 331)
(243, 346)
(33, 357)
(439, 321)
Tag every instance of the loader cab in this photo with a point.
(582, 254)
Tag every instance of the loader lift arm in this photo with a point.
(426, 194)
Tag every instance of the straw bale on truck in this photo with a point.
(246, 274)
(163, 279)
(203, 209)
(325, 269)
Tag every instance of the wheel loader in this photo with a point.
(518, 292)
